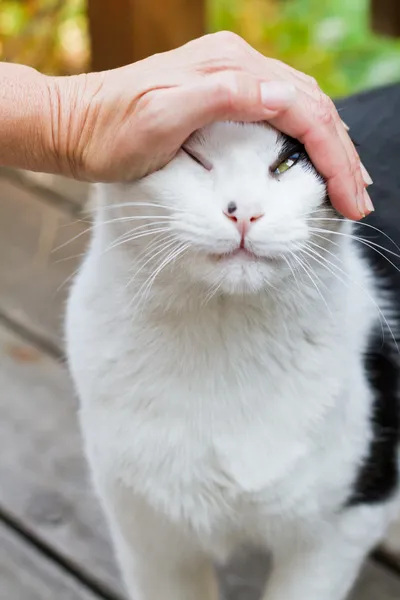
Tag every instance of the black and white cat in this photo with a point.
(235, 355)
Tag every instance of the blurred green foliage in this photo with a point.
(329, 39)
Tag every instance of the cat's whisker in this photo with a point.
(140, 228)
(146, 204)
(162, 248)
(66, 281)
(361, 240)
(327, 264)
(151, 252)
(109, 222)
(153, 244)
(307, 271)
(211, 293)
(65, 258)
(289, 264)
(326, 239)
(71, 240)
(137, 236)
(171, 257)
(335, 256)
(359, 223)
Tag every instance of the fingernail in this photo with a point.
(276, 95)
(360, 206)
(347, 128)
(366, 176)
(369, 207)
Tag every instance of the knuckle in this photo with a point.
(229, 44)
(325, 110)
(355, 168)
(313, 83)
(227, 37)
(225, 92)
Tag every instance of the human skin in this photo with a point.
(125, 123)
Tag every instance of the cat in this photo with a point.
(235, 354)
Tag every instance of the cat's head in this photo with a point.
(235, 210)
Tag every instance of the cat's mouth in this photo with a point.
(243, 254)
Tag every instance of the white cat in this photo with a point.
(238, 381)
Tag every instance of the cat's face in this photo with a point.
(234, 210)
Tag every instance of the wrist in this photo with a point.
(72, 110)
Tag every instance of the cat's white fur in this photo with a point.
(226, 403)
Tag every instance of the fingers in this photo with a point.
(218, 97)
(313, 120)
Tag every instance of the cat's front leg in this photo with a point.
(314, 574)
(158, 560)
(327, 567)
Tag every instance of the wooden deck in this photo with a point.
(53, 542)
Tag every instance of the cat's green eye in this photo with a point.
(287, 164)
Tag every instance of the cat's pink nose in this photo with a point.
(243, 222)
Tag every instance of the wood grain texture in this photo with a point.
(123, 31)
(391, 546)
(68, 193)
(33, 277)
(25, 574)
(43, 478)
(376, 583)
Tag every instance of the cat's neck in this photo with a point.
(305, 305)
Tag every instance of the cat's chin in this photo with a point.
(238, 273)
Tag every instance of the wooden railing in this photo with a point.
(385, 17)
(123, 31)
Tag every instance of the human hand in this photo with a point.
(125, 123)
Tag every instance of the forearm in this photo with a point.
(41, 119)
(25, 119)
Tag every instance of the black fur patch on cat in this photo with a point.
(378, 476)
(290, 146)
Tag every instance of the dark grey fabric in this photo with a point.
(374, 121)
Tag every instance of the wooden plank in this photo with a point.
(377, 583)
(124, 31)
(391, 545)
(385, 17)
(32, 277)
(54, 191)
(43, 478)
(66, 191)
(27, 575)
